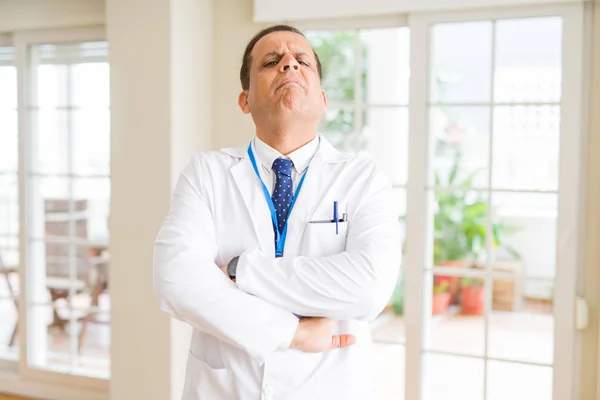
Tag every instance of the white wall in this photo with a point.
(233, 28)
(278, 10)
(46, 14)
(161, 55)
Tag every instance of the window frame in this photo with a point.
(22, 41)
(6, 41)
(571, 170)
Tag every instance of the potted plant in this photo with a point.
(457, 221)
(460, 234)
(472, 296)
(398, 297)
(441, 296)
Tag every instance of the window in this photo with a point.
(68, 190)
(9, 205)
(493, 131)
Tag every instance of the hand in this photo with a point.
(315, 335)
(224, 269)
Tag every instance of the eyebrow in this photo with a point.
(277, 54)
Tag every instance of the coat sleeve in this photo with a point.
(192, 288)
(354, 284)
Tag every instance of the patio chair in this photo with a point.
(4, 270)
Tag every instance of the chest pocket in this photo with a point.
(321, 239)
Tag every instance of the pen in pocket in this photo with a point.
(330, 221)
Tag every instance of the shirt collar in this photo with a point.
(300, 157)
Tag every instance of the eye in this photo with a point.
(306, 64)
(270, 64)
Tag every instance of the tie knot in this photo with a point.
(283, 166)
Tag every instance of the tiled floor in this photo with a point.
(523, 336)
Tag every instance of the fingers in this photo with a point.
(340, 341)
(223, 268)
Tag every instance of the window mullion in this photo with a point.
(358, 95)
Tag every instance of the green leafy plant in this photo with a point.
(440, 287)
(460, 222)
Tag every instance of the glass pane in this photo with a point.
(94, 196)
(389, 374)
(91, 142)
(460, 137)
(518, 382)
(9, 292)
(522, 325)
(528, 60)
(9, 252)
(52, 84)
(338, 127)
(49, 199)
(389, 327)
(50, 346)
(90, 85)
(400, 203)
(386, 62)
(339, 121)
(94, 275)
(58, 269)
(50, 130)
(385, 139)
(8, 87)
(458, 73)
(336, 50)
(9, 145)
(9, 206)
(517, 131)
(93, 358)
(456, 326)
(452, 378)
(9, 341)
(525, 231)
(459, 227)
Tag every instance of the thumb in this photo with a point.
(341, 341)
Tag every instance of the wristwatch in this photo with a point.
(232, 267)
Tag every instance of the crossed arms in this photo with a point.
(257, 313)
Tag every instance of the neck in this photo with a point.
(285, 141)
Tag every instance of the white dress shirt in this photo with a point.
(265, 155)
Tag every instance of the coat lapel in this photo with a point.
(253, 196)
(319, 180)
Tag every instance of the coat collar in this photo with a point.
(326, 151)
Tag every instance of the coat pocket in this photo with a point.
(203, 382)
(322, 239)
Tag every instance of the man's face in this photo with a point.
(284, 79)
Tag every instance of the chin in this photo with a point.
(291, 105)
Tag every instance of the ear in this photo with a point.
(324, 98)
(243, 102)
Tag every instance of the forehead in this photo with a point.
(281, 41)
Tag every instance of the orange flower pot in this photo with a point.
(440, 302)
(472, 300)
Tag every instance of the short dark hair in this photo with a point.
(247, 59)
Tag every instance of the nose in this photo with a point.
(289, 62)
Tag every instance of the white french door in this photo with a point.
(64, 324)
(496, 100)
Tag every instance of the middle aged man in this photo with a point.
(308, 236)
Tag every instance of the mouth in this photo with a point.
(288, 82)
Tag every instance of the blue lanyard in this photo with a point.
(279, 236)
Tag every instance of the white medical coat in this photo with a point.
(242, 331)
